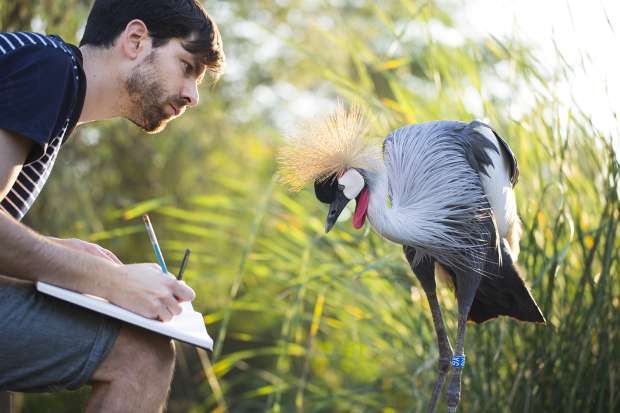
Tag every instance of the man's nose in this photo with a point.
(190, 93)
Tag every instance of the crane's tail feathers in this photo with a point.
(505, 294)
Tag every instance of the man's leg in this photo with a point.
(48, 345)
(135, 375)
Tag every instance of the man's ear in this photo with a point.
(135, 39)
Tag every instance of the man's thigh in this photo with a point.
(136, 351)
(47, 344)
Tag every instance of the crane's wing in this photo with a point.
(497, 166)
(477, 141)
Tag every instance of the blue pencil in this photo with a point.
(153, 238)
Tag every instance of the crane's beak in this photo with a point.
(335, 208)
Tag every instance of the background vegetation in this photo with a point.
(311, 323)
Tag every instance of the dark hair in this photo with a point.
(164, 19)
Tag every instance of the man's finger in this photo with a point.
(111, 255)
(165, 314)
(103, 253)
(173, 305)
(182, 292)
(108, 254)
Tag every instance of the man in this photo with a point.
(138, 60)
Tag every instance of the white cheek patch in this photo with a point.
(353, 183)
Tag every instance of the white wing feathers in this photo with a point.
(498, 188)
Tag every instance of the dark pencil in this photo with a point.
(183, 264)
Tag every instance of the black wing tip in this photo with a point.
(540, 319)
(505, 295)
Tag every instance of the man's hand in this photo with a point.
(142, 288)
(87, 247)
(147, 291)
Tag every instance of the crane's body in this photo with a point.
(444, 191)
(423, 199)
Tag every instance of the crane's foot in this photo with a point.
(444, 368)
(453, 395)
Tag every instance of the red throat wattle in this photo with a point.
(361, 207)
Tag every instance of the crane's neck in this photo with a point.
(380, 213)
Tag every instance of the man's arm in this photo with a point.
(12, 156)
(26, 255)
(14, 153)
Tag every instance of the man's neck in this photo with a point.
(104, 88)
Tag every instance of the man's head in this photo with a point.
(164, 49)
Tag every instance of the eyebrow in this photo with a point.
(200, 70)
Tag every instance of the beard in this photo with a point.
(148, 100)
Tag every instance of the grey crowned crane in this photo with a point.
(444, 191)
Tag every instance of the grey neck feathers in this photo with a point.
(380, 215)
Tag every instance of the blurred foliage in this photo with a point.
(312, 323)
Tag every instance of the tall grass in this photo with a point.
(329, 323)
(337, 323)
(306, 322)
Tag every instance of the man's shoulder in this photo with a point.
(32, 59)
(35, 49)
(33, 40)
(40, 83)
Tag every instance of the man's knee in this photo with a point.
(137, 355)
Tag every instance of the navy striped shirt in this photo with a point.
(42, 89)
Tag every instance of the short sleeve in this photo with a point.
(35, 82)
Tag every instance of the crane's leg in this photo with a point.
(467, 285)
(425, 272)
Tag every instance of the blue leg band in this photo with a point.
(458, 361)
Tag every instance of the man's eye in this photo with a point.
(187, 67)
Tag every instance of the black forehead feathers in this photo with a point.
(326, 189)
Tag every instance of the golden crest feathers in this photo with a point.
(326, 146)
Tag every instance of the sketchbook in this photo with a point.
(188, 326)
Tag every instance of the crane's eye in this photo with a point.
(326, 189)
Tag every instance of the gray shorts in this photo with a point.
(47, 344)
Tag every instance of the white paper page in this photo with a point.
(188, 326)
